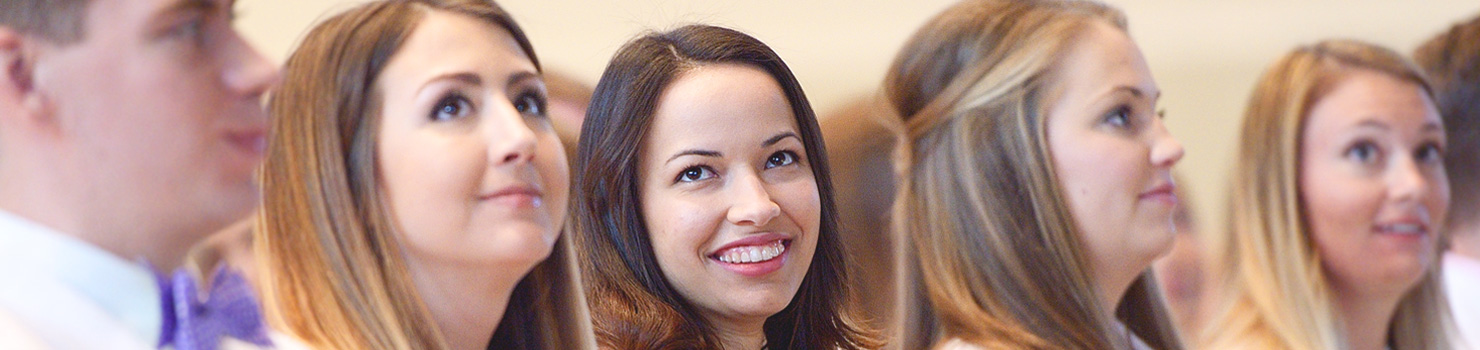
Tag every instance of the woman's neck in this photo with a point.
(1366, 317)
(747, 334)
(1111, 287)
(467, 302)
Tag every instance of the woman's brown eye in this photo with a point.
(694, 173)
(782, 158)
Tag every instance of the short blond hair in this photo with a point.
(56, 20)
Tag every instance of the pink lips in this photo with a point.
(755, 269)
(1164, 194)
(252, 142)
(516, 196)
(1406, 227)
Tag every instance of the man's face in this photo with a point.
(158, 114)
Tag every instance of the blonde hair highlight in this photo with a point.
(990, 253)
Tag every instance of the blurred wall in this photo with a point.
(1204, 54)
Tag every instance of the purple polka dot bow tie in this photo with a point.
(229, 310)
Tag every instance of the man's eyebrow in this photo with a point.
(179, 6)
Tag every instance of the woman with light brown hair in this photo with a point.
(1036, 181)
(414, 189)
(1339, 194)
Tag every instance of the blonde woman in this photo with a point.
(414, 188)
(1339, 195)
(1037, 181)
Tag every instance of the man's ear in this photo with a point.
(18, 92)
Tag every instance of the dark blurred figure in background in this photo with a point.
(1452, 61)
(568, 100)
(860, 146)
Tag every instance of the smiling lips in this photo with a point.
(1403, 228)
(752, 254)
(755, 256)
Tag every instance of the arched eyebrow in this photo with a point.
(1374, 124)
(522, 76)
(473, 79)
(694, 152)
(1136, 92)
(462, 77)
(709, 153)
(781, 136)
(1433, 127)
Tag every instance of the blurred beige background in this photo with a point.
(1204, 54)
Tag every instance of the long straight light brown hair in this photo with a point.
(1275, 293)
(990, 253)
(333, 272)
(633, 305)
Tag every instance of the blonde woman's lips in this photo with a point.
(1408, 226)
(252, 142)
(1164, 194)
(515, 196)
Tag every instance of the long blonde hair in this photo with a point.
(1275, 292)
(333, 272)
(990, 253)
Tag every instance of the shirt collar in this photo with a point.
(123, 289)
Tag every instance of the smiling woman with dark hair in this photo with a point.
(703, 203)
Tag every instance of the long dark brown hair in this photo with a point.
(632, 305)
(333, 272)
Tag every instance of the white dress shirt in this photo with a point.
(68, 294)
(1462, 284)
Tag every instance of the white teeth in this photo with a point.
(753, 254)
(1403, 229)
